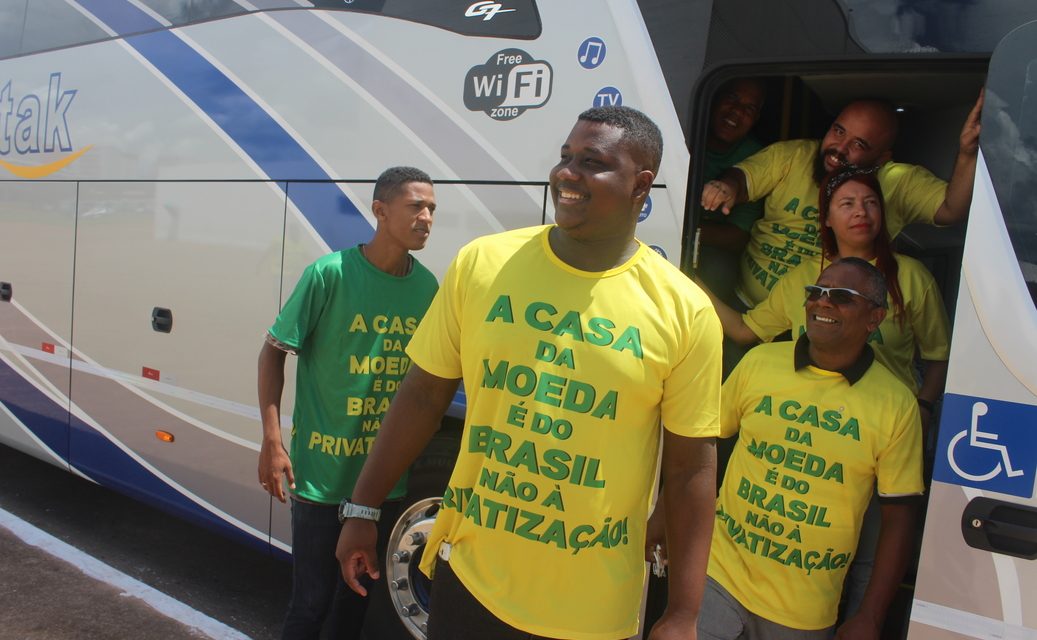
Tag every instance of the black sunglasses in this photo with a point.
(840, 296)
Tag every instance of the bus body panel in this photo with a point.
(199, 169)
(978, 567)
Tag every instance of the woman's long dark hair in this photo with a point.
(884, 258)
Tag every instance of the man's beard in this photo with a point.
(820, 170)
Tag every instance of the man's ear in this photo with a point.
(643, 183)
(877, 315)
(378, 209)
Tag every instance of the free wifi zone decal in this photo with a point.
(510, 82)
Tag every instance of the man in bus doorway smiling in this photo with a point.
(818, 421)
(348, 319)
(573, 340)
(788, 174)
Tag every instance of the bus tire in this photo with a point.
(399, 610)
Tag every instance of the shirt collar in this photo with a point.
(852, 373)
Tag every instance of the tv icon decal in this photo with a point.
(510, 82)
(608, 97)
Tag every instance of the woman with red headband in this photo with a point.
(852, 222)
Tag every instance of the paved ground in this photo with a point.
(46, 598)
(42, 597)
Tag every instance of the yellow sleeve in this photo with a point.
(774, 314)
(913, 195)
(765, 169)
(436, 344)
(899, 464)
(691, 393)
(929, 321)
(731, 397)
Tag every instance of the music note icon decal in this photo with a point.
(591, 53)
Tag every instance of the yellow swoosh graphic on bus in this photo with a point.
(44, 170)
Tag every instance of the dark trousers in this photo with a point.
(320, 598)
(455, 614)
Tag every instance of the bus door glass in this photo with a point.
(978, 569)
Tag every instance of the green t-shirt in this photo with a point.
(350, 324)
(787, 234)
(568, 374)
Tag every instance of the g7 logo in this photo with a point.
(486, 9)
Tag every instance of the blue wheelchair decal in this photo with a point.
(987, 444)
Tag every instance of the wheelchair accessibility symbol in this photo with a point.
(982, 440)
(987, 444)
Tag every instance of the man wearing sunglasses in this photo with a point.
(819, 423)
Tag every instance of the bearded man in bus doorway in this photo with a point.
(573, 341)
(788, 174)
(819, 422)
(352, 312)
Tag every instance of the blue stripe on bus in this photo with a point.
(108, 464)
(335, 218)
(47, 420)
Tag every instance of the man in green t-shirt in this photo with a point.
(820, 423)
(735, 111)
(788, 173)
(349, 320)
(581, 349)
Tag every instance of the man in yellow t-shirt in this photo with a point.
(574, 341)
(819, 422)
(788, 173)
(924, 328)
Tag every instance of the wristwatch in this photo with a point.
(348, 509)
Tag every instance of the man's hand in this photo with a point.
(719, 194)
(859, 627)
(656, 534)
(356, 552)
(675, 626)
(968, 142)
(273, 465)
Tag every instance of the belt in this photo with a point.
(444, 551)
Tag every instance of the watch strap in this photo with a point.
(349, 509)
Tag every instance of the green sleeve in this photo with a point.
(303, 309)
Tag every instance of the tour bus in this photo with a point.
(169, 167)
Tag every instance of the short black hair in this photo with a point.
(875, 282)
(638, 130)
(393, 178)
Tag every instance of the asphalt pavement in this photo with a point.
(199, 584)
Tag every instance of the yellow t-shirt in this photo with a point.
(810, 448)
(787, 234)
(925, 323)
(567, 375)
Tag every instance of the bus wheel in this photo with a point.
(400, 611)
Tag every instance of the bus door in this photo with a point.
(176, 282)
(36, 248)
(977, 574)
